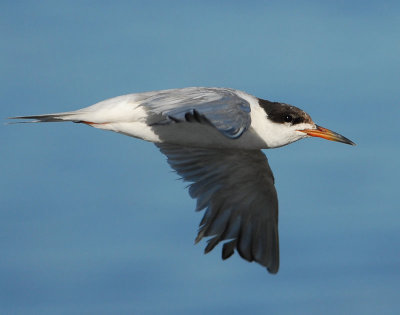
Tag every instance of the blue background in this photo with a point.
(95, 222)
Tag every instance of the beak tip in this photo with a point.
(327, 134)
(347, 141)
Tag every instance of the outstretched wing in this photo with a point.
(221, 107)
(236, 187)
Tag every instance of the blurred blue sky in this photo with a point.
(95, 222)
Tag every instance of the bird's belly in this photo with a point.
(187, 134)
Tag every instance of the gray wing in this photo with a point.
(236, 187)
(221, 107)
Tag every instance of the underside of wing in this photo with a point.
(222, 108)
(236, 189)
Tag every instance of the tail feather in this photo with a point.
(57, 117)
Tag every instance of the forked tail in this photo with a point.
(57, 117)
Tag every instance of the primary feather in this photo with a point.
(236, 188)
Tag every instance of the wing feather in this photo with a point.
(221, 107)
(236, 189)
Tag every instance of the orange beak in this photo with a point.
(326, 134)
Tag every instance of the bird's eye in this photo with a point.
(288, 118)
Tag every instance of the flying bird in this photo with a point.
(213, 137)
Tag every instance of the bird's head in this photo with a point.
(288, 123)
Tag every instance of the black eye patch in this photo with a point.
(288, 118)
(283, 113)
(298, 120)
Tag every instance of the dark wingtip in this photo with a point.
(273, 270)
(228, 249)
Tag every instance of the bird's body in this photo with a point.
(213, 138)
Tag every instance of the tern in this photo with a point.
(213, 137)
